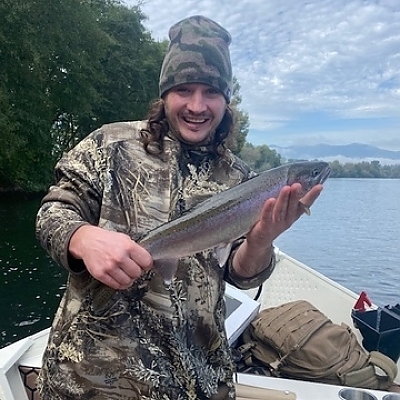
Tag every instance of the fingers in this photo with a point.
(110, 257)
(140, 256)
(113, 283)
(280, 213)
(125, 268)
(307, 200)
(287, 208)
(291, 204)
(120, 276)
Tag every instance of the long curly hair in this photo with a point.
(152, 136)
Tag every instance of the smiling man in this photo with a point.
(194, 111)
(120, 332)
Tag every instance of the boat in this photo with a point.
(292, 280)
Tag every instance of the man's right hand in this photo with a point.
(113, 258)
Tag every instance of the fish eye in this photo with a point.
(315, 172)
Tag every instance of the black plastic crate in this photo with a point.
(380, 330)
(395, 309)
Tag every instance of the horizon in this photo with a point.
(332, 145)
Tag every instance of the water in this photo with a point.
(30, 283)
(352, 236)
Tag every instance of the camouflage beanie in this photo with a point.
(198, 53)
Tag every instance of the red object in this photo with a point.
(362, 301)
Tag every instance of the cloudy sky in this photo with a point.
(315, 71)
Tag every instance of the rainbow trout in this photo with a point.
(226, 216)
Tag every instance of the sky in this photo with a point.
(316, 71)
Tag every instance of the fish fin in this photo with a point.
(222, 251)
(166, 268)
(305, 209)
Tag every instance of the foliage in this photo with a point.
(260, 158)
(131, 64)
(365, 169)
(67, 67)
(237, 139)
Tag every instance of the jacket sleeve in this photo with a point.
(73, 201)
(247, 283)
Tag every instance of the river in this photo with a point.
(352, 236)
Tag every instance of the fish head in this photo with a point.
(308, 174)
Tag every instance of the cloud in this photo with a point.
(297, 58)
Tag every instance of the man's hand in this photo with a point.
(277, 216)
(110, 257)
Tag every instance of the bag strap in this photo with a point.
(245, 352)
(387, 365)
(367, 376)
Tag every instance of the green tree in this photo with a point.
(241, 121)
(67, 67)
(260, 158)
(364, 169)
(336, 169)
(47, 53)
(131, 65)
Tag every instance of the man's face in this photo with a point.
(194, 111)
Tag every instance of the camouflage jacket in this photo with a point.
(150, 341)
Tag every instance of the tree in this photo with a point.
(67, 67)
(260, 158)
(47, 62)
(131, 65)
(241, 121)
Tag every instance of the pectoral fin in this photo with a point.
(166, 268)
(305, 208)
(222, 252)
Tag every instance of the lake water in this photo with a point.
(352, 236)
(30, 283)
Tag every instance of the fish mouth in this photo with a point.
(325, 174)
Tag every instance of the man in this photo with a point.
(120, 332)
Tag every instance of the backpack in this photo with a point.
(296, 340)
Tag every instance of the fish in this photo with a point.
(226, 216)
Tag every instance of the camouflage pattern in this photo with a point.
(150, 341)
(198, 53)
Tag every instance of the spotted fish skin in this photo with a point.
(226, 216)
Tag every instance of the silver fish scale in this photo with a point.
(230, 214)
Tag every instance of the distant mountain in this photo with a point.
(355, 151)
